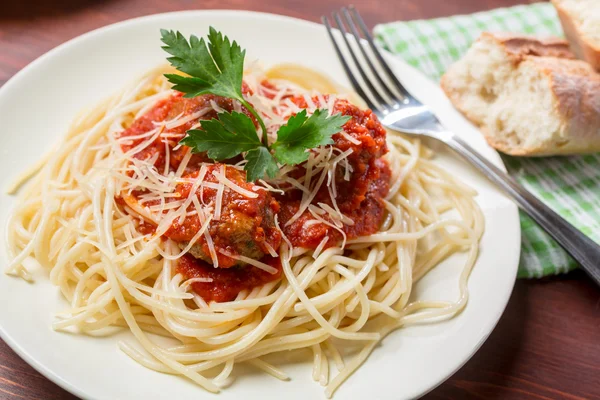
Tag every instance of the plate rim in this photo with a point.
(48, 372)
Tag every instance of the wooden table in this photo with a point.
(547, 344)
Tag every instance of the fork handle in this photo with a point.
(583, 249)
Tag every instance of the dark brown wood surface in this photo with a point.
(547, 344)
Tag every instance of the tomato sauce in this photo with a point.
(226, 283)
(363, 127)
(169, 109)
(246, 226)
(146, 228)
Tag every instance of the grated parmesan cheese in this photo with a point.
(219, 198)
(320, 247)
(157, 201)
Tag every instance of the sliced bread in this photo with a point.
(529, 96)
(581, 22)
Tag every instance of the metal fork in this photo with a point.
(397, 109)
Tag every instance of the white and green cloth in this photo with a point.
(570, 185)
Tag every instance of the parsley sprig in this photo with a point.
(216, 67)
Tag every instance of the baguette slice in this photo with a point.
(528, 96)
(580, 20)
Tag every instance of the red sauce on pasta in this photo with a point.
(225, 283)
(247, 225)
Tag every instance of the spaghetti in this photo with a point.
(103, 221)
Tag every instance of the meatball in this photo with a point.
(366, 137)
(359, 198)
(246, 226)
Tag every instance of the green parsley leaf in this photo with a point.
(260, 161)
(217, 68)
(230, 135)
(302, 133)
(191, 87)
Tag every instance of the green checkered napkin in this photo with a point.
(570, 185)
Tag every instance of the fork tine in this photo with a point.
(367, 58)
(365, 78)
(382, 62)
(355, 85)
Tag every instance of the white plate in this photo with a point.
(38, 103)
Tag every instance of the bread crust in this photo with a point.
(574, 85)
(584, 49)
(518, 47)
